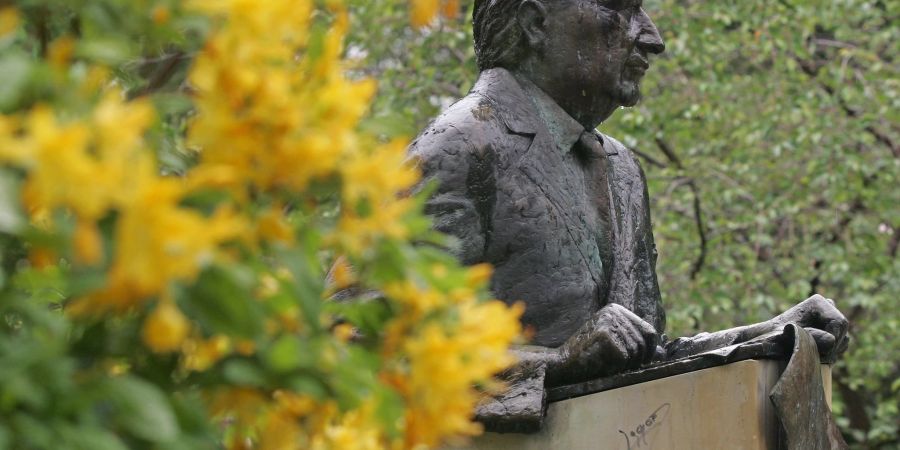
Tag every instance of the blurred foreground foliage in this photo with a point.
(194, 215)
(770, 133)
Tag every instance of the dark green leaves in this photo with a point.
(141, 409)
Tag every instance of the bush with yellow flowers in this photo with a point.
(202, 249)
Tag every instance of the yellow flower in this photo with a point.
(245, 347)
(461, 355)
(59, 55)
(344, 332)
(42, 257)
(450, 9)
(9, 20)
(165, 329)
(160, 14)
(419, 300)
(158, 241)
(422, 12)
(280, 432)
(272, 226)
(342, 274)
(200, 354)
(478, 275)
(88, 243)
(379, 175)
(85, 166)
(293, 403)
(243, 405)
(357, 430)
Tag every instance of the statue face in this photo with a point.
(596, 52)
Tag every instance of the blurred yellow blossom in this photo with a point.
(82, 165)
(277, 125)
(9, 20)
(450, 8)
(88, 243)
(422, 12)
(60, 52)
(201, 354)
(478, 275)
(160, 14)
(166, 328)
(158, 241)
(272, 225)
(444, 409)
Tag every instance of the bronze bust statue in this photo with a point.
(525, 183)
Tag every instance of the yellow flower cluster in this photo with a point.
(276, 115)
(9, 20)
(443, 360)
(422, 12)
(274, 112)
(101, 165)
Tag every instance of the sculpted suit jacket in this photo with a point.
(508, 193)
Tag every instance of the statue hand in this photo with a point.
(613, 340)
(821, 318)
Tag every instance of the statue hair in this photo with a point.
(498, 37)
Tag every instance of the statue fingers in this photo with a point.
(824, 341)
(651, 339)
(836, 324)
(842, 345)
(636, 345)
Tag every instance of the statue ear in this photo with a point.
(532, 18)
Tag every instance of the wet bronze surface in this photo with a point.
(525, 183)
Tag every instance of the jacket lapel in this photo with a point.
(542, 165)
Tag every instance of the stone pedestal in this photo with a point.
(724, 407)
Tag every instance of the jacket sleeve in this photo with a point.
(634, 283)
(648, 283)
(450, 167)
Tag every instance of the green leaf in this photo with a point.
(244, 373)
(142, 409)
(285, 354)
(16, 69)
(87, 438)
(11, 220)
(104, 50)
(222, 302)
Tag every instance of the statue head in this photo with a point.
(588, 55)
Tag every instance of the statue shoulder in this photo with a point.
(465, 128)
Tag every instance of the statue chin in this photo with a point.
(629, 94)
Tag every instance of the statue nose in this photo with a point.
(648, 38)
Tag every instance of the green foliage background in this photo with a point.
(771, 139)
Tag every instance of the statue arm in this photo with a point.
(704, 342)
(817, 314)
(448, 166)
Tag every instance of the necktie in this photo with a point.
(592, 155)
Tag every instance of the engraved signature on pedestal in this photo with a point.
(637, 437)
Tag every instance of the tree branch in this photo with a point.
(168, 65)
(650, 160)
(811, 69)
(667, 150)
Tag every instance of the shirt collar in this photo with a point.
(564, 129)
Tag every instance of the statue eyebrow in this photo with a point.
(620, 4)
